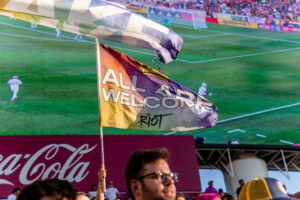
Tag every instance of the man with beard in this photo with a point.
(148, 176)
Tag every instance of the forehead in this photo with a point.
(82, 197)
(158, 165)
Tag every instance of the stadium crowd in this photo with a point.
(148, 177)
(55, 189)
(277, 9)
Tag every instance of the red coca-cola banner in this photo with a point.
(76, 158)
(290, 29)
(211, 20)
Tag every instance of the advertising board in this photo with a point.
(77, 159)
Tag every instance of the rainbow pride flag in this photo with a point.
(135, 96)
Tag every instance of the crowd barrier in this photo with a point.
(211, 20)
(279, 28)
(138, 9)
(240, 21)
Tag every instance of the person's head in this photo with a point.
(82, 196)
(93, 187)
(227, 197)
(208, 196)
(241, 182)
(210, 183)
(264, 188)
(49, 189)
(110, 184)
(148, 175)
(15, 77)
(180, 196)
(203, 84)
(220, 191)
(16, 191)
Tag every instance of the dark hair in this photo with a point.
(79, 193)
(92, 186)
(48, 187)
(227, 197)
(138, 159)
(180, 195)
(15, 189)
(241, 180)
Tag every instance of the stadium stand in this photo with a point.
(278, 9)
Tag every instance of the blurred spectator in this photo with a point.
(82, 196)
(14, 194)
(53, 189)
(264, 188)
(93, 192)
(208, 197)
(111, 192)
(180, 196)
(238, 190)
(221, 193)
(227, 197)
(210, 188)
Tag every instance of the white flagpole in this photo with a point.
(98, 63)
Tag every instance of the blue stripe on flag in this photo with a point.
(95, 3)
(119, 21)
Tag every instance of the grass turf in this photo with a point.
(247, 70)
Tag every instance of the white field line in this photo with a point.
(203, 36)
(170, 133)
(236, 130)
(260, 135)
(36, 38)
(29, 29)
(250, 114)
(85, 41)
(61, 40)
(151, 54)
(257, 37)
(287, 142)
(246, 35)
(259, 112)
(222, 121)
(240, 56)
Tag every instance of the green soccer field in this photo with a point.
(254, 76)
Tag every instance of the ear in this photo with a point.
(136, 188)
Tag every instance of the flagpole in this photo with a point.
(98, 63)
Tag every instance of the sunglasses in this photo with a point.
(162, 175)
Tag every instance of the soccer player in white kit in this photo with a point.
(202, 90)
(57, 32)
(14, 87)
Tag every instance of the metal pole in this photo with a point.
(230, 162)
(285, 165)
(98, 63)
